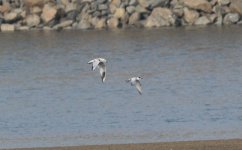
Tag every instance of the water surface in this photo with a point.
(50, 97)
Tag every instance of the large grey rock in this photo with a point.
(70, 7)
(63, 24)
(130, 9)
(96, 14)
(49, 13)
(223, 2)
(190, 16)
(104, 13)
(236, 6)
(120, 13)
(7, 27)
(203, 5)
(71, 15)
(133, 2)
(212, 17)
(113, 23)
(141, 9)
(5, 7)
(134, 18)
(84, 24)
(85, 21)
(231, 18)
(160, 17)
(102, 7)
(22, 28)
(31, 3)
(36, 10)
(101, 1)
(151, 3)
(99, 23)
(202, 21)
(33, 20)
(10, 17)
(178, 10)
(116, 3)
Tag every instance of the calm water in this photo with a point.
(50, 97)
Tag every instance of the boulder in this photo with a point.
(102, 7)
(140, 9)
(36, 10)
(48, 13)
(202, 21)
(104, 12)
(7, 27)
(84, 24)
(231, 18)
(116, 3)
(134, 18)
(32, 3)
(101, 1)
(178, 10)
(63, 24)
(151, 3)
(190, 16)
(133, 2)
(10, 17)
(236, 6)
(70, 7)
(160, 17)
(130, 9)
(112, 8)
(96, 14)
(202, 5)
(223, 2)
(212, 17)
(22, 28)
(113, 23)
(5, 7)
(33, 20)
(65, 2)
(120, 13)
(100, 23)
(239, 23)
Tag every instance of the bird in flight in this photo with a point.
(135, 81)
(101, 64)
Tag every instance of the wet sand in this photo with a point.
(235, 144)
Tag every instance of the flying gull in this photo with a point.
(135, 81)
(101, 64)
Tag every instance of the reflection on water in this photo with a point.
(50, 97)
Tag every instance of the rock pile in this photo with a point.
(98, 14)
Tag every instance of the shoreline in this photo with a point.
(111, 14)
(230, 144)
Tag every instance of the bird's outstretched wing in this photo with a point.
(95, 63)
(138, 86)
(102, 70)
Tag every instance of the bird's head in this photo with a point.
(140, 78)
(102, 60)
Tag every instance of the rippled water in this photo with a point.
(50, 97)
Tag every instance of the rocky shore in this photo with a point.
(111, 14)
(186, 145)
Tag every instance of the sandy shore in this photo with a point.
(235, 144)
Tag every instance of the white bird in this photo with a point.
(135, 81)
(101, 64)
